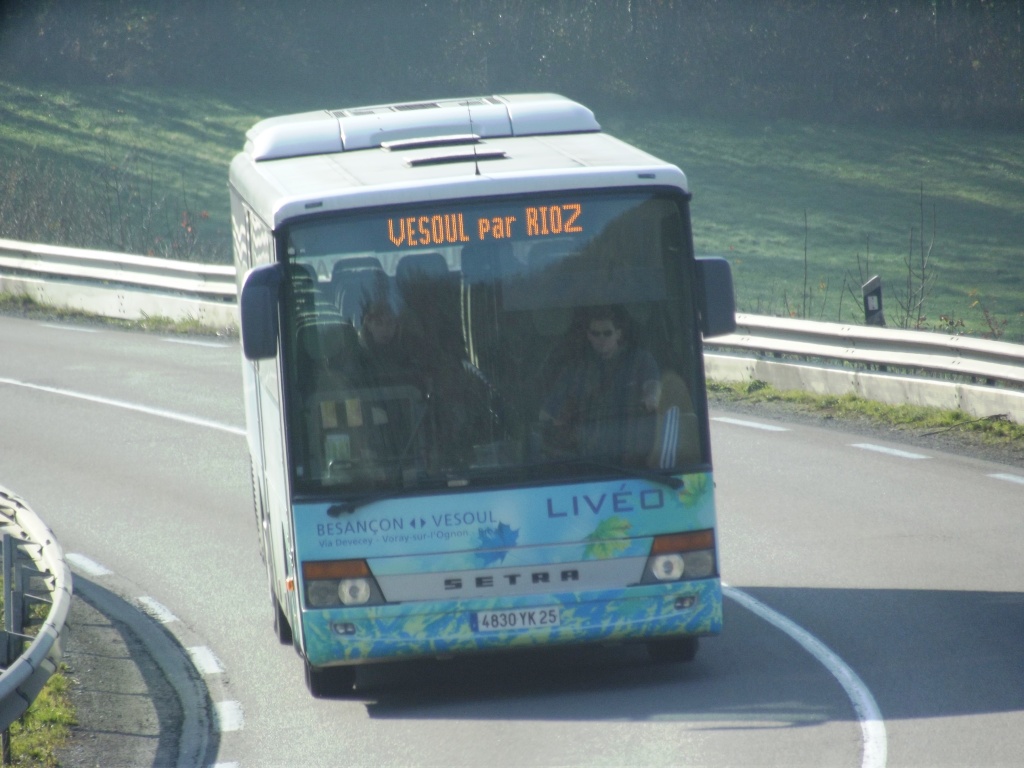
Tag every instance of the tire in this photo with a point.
(678, 650)
(282, 628)
(330, 682)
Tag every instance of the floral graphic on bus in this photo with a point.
(433, 627)
(608, 539)
(495, 543)
(694, 490)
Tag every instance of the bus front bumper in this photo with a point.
(378, 633)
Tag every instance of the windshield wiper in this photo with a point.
(349, 506)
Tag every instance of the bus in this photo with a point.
(471, 335)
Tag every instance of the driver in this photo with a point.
(604, 403)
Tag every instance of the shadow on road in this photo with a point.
(138, 698)
(921, 653)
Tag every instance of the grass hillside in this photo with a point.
(803, 211)
(806, 213)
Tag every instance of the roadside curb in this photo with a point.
(138, 698)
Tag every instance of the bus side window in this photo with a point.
(304, 290)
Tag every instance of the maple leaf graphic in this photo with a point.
(496, 542)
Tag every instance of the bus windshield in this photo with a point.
(491, 342)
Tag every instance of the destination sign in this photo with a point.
(457, 228)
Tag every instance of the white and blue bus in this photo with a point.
(477, 418)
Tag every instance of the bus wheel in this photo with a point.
(326, 682)
(676, 650)
(281, 625)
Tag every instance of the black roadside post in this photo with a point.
(872, 291)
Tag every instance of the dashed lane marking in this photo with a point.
(87, 566)
(228, 715)
(75, 328)
(158, 611)
(750, 424)
(205, 661)
(194, 343)
(890, 451)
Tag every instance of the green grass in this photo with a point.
(24, 306)
(151, 156)
(997, 433)
(45, 728)
(860, 189)
(177, 137)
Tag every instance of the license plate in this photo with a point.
(522, 618)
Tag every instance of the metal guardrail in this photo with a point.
(34, 570)
(119, 285)
(983, 378)
(992, 362)
(208, 281)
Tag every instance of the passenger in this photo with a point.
(604, 402)
(457, 399)
(390, 388)
(388, 356)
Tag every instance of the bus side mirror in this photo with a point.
(715, 298)
(257, 310)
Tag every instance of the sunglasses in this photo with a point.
(599, 334)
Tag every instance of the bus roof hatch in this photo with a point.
(345, 130)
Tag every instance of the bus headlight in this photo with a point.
(700, 564)
(668, 567)
(680, 556)
(354, 591)
(322, 594)
(336, 583)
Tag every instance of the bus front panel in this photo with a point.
(600, 561)
(496, 424)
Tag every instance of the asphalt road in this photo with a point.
(875, 611)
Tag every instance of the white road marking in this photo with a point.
(751, 424)
(194, 420)
(205, 661)
(83, 563)
(890, 451)
(75, 328)
(875, 748)
(229, 713)
(228, 716)
(194, 343)
(158, 611)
